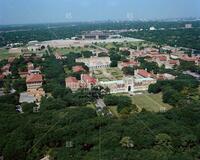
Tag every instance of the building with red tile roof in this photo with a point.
(34, 78)
(34, 81)
(6, 69)
(85, 78)
(174, 62)
(171, 63)
(71, 80)
(85, 82)
(188, 59)
(72, 83)
(2, 76)
(143, 73)
(78, 68)
(162, 58)
(130, 63)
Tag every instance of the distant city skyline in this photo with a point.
(53, 11)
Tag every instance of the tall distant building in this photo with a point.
(188, 26)
(96, 35)
(152, 28)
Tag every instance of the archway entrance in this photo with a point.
(129, 88)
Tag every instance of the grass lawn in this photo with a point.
(116, 72)
(4, 54)
(124, 44)
(67, 71)
(151, 102)
(91, 105)
(66, 51)
(108, 74)
(114, 111)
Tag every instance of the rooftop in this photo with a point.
(2, 76)
(32, 78)
(162, 58)
(144, 73)
(71, 80)
(88, 79)
(173, 61)
(78, 68)
(25, 97)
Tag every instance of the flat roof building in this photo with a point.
(94, 63)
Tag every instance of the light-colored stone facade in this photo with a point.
(128, 84)
(94, 63)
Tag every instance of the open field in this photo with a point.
(66, 51)
(125, 44)
(150, 102)
(4, 54)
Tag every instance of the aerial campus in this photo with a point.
(102, 90)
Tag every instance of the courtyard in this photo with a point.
(108, 74)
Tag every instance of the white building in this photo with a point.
(188, 26)
(128, 84)
(152, 28)
(94, 63)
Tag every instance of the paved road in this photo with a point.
(101, 48)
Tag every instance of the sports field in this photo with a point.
(151, 102)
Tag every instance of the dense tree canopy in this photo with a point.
(69, 127)
(188, 38)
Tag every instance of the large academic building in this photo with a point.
(139, 82)
(94, 63)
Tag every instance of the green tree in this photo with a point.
(163, 140)
(19, 85)
(127, 142)
(128, 70)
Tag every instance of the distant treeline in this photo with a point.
(189, 38)
(42, 32)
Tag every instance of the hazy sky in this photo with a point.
(41, 11)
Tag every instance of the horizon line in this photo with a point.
(109, 20)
